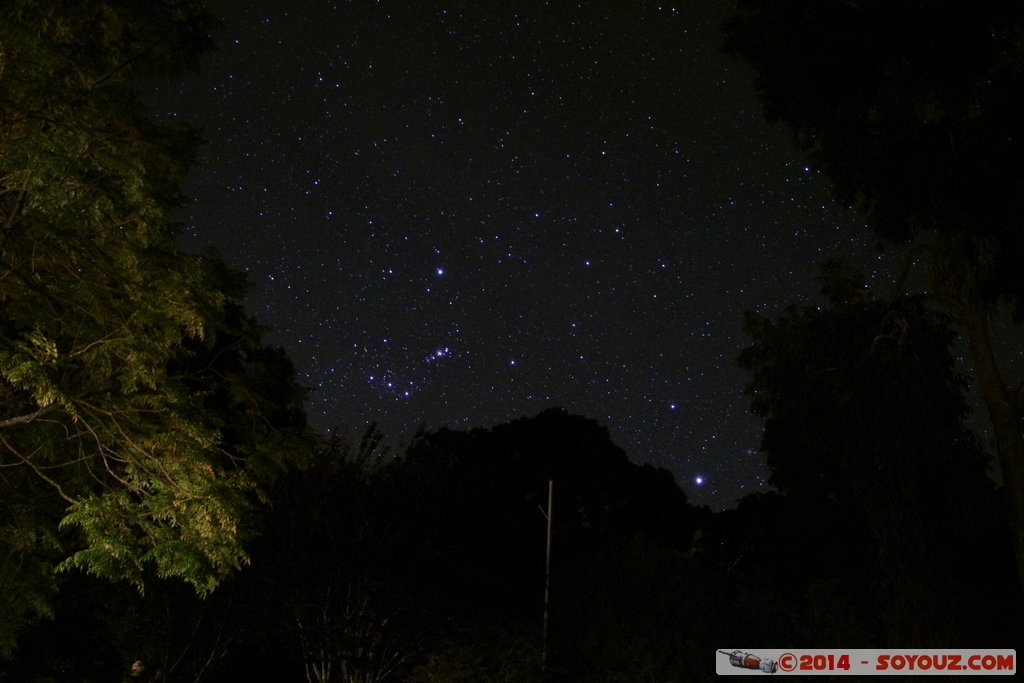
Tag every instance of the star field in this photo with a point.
(462, 213)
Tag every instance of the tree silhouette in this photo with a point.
(325, 568)
(911, 109)
(473, 507)
(865, 425)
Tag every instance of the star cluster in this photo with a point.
(461, 213)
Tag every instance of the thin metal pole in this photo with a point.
(547, 581)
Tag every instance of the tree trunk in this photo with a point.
(1006, 422)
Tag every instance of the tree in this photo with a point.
(114, 345)
(865, 424)
(423, 567)
(471, 505)
(911, 109)
(323, 566)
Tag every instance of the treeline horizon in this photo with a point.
(428, 565)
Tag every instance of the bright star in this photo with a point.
(698, 480)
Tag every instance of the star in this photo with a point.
(618, 252)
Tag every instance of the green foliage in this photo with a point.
(372, 568)
(27, 550)
(135, 392)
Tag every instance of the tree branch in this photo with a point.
(39, 472)
(24, 419)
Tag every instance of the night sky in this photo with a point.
(462, 213)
